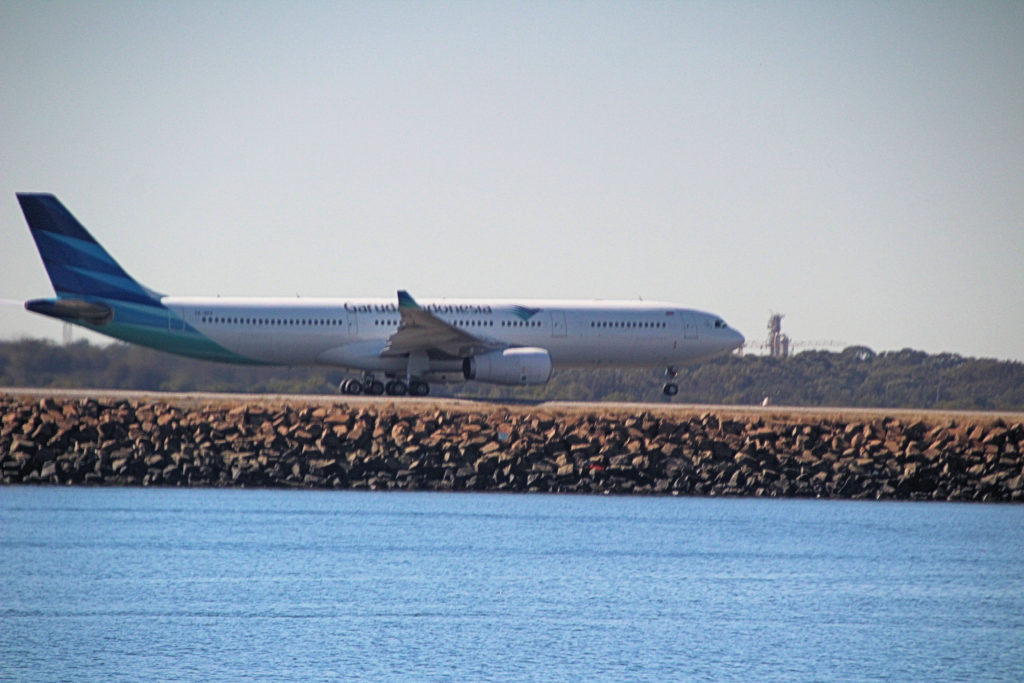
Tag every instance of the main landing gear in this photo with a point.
(393, 387)
(671, 388)
(418, 387)
(414, 387)
(368, 385)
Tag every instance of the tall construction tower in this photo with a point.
(778, 343)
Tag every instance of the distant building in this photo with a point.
(778, 343)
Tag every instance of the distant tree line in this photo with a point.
(856, 377)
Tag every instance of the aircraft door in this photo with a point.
(689, 326)
(558, 324)
(175, 320)
(353, 324)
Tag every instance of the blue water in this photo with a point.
(139, 584)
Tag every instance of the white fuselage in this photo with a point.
(412, 342)
(352, 333)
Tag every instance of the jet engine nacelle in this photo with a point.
(510, 366)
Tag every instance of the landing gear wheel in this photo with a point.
(352, 387)
(373, 387)
(670, 389)
(396, 387)
(418, 388)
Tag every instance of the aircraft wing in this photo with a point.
(421, 330)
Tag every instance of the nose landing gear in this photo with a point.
(671, 388)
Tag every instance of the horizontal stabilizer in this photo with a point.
(72, 310)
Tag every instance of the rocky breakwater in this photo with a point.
(133, 443)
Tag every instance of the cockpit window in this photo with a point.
(720, 323)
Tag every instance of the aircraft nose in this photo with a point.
(736, 339)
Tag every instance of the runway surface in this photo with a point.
(768, 413)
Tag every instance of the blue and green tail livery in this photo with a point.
(76, 263)
(94, 291)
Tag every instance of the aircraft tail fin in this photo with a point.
(76, 263)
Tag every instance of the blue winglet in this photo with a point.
(405, 300)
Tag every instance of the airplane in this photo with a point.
(409, 342)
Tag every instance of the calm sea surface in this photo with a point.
(139, 584)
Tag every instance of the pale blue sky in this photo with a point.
(858, 166)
